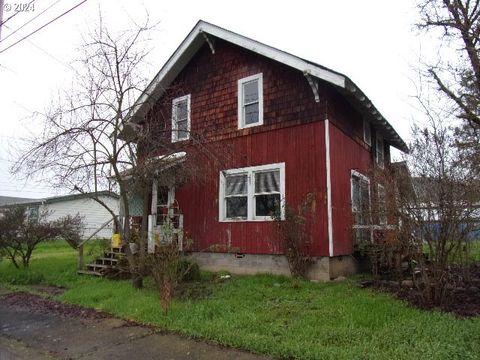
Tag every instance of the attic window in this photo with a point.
(250, 101)
(367, 133)
(181, 118)
(380, 155)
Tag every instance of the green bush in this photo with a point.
(189, 271)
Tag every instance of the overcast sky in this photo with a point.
(372, 41)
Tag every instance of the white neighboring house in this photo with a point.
(93, 214)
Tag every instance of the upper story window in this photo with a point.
(253, 193)
(367, 133)
(380, 155)
(181, 118)
(250, 101)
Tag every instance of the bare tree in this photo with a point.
(458, 78)
(90, 144)
(456, 74)
(431, 202)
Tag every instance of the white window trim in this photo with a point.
(365, 178)
(241, 118)
(378, 139)
(367, 140)
(170, 199)
(174, 123)
(250, 192)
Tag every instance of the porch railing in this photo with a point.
(163, 229)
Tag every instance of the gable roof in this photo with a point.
(6, 200)
(55, 199)
(200, 35)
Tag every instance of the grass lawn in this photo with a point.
(269, 314)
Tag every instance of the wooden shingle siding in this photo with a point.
(293, 133)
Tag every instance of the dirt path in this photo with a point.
(35, 328)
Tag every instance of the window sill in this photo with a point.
(179, 140)
(266, 219)
(250, 125)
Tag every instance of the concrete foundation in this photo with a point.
(323, 268)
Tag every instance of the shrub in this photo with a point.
(293, 232)
(189, 271)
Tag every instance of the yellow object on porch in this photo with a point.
(116, 240)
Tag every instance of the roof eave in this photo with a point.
(195, 40)
(373, 115)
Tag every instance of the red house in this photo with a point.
(290, 128)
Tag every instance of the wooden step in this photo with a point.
(94, 267)
(105, 265)
(89, 272)
(106, 261)
(113, 254)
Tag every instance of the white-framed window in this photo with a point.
(252, 193)
(250, 101)
(181, 118)
(367, 133)
(382, 204)
(380, 155)
(163, 198)
(360, 192)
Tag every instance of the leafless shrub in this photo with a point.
(294, 235)
(19, 236)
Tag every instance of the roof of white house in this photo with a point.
(7, 200)
(54, 199)
(202, 33)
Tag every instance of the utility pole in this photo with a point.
(1, 18)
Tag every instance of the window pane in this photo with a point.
(382, 205)
(236, 185)
(181, 110)
(182, 127)
(360, 200)
(267, 205)
(362, 235)
(250, 92)
(236, 207)
(251, 113)
(355, 193)
(380, 154)
(266, 182)
(162, 196)
(367, 133)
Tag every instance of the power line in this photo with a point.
(43, 26)
(18, 12)
(28, 22)
(46, 53)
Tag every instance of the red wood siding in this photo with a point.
(293, 132)
(346, 155)
(299, 148)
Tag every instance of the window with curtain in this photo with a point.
(254, 193)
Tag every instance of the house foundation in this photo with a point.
(322, 269)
